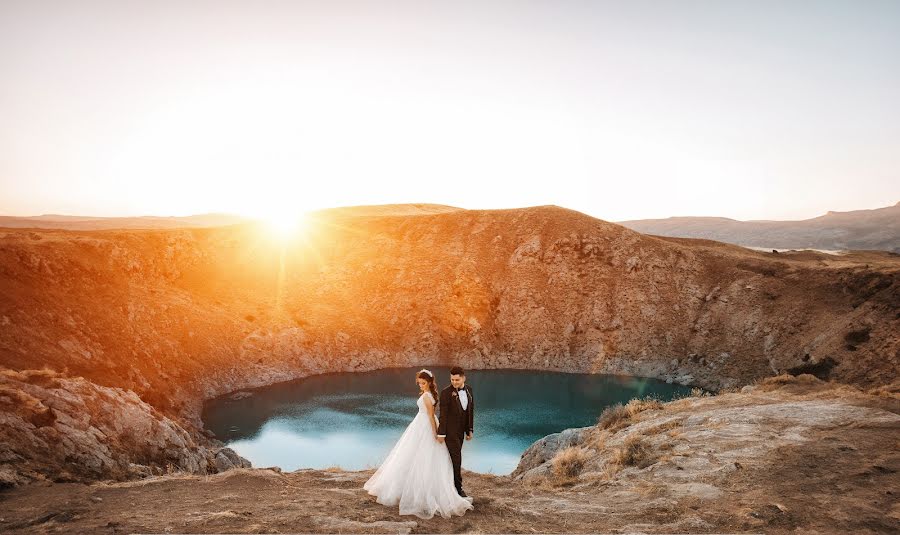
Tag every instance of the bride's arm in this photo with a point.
(430, 406)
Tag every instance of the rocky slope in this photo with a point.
(179, 316)
(74, 430)
(858, 229)
(789, 455)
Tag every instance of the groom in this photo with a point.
(455, 420)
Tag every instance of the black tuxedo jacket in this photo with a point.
(453, 419)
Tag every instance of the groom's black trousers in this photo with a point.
(454, 446)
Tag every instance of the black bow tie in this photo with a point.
(460, 389)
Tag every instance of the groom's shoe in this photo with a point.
(462, 493)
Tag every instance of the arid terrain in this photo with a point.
(110, 341)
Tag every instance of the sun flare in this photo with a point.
(285, 225)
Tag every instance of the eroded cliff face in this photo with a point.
(179, 316)
(70, 429)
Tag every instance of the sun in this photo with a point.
(285, 224)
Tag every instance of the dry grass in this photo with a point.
(45, 377)
(596, 439)
(775, 382)
(890, 391)
(614, 417)
(568, 462)
(651, 490)
(635, 451)
(664, 427)
(636, 406)
(619, 416)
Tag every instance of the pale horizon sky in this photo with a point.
(622, 110)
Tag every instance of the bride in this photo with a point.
(418, 473)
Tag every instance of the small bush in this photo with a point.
(612, 417)
(568, 462)
(618, 416)
(636, 406)
(634, 452)
(803, 380)
(597, 439)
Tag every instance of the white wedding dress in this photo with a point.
(418, 472)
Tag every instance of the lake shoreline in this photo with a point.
(301, 415)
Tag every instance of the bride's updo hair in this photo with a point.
(432, 386)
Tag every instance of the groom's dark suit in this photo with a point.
(453, 423)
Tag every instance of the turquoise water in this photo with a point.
(352, 420)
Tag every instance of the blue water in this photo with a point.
(352, 420)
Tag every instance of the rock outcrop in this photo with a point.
(69, 429)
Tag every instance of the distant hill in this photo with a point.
(71, 222)
(877, 229)
(75, 222)
(387, 210)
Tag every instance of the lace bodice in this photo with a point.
(423, 399)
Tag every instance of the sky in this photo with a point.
(622, 110)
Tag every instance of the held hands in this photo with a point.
(439, 439)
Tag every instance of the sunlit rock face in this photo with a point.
(178, 316)
(70, 429)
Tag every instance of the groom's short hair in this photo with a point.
(456, 370)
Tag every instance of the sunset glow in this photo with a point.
(613, 109)
(286, 225)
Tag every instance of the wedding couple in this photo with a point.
(422, 470)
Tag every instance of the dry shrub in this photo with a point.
(698, 393)
(617, 416)
(596, 439)
(635, 451)
(568, 462)
(613, 417)
(636, 406)
(804, 381)
(610, 471)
